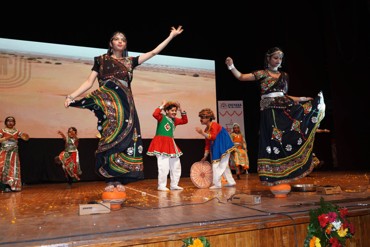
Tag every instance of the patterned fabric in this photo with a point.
(120, 148)
(239, 156)
(218, 142)
(163, 142)
(10, 167)
(70, 159)
(287, 132)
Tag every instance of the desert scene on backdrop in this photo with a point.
(33, 89)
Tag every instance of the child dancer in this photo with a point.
(163, 145)
(219, 145)
(239, 156)
(69, 157)
(10, 167)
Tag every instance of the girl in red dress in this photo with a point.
(69, 158)
(10, 167)
(163, 144)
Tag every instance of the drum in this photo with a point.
(201, 174)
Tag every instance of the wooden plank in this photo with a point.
(47, 214)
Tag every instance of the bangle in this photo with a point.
(69, 97)
(183, 113)
(303, 99)
(230, 67)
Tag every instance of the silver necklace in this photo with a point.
(273, 71)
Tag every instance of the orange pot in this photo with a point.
(115, 198)
(280, 190)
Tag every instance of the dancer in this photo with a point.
(219, 145)
(239, 157)
(69, 159)
(287, 126)
(163, 145)
(10, 167)
(120, 149)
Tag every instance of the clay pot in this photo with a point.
(115, 198)
(280, 190)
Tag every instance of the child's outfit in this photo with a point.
(163, 146)
(69, 159)
(219, 145)
(239, 157)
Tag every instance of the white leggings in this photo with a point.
(222, 168)
(168, 165)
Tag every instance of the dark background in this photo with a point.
(326, 46)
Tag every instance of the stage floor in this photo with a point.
(48, 214)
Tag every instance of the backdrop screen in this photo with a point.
(35, 77)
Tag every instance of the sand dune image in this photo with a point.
(33, 89)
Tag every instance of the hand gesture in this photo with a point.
(199, 130)
(176, 31)
(68, 101)
(178, 106)
(229, 61)
(25, 136)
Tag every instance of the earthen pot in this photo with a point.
(115, 198)
(280, 190)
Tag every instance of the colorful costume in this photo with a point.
(70, 160)
(239, 156)
(10, 168)
(287, 131)
(120, 148)
(219, 145)
(164, 147)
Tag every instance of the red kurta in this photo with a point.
(10, 167)
(163, 142)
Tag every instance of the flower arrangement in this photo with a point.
(196, 242)
(328, 226)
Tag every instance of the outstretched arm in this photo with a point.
(174, 32)
(299, 99)
(61, 134)
(201, 132)
(25, 137)
(237, 74)
(322, 131)
(82, 89)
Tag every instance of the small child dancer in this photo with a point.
(10, 166)
(163, 145)
(219, 144)
(69, 157)
(239, 156)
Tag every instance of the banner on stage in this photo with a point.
(230, 112)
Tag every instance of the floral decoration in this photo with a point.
(196, 242)
(328, 226)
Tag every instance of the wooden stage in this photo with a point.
(48, 214)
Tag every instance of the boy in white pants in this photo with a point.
(219, 145)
